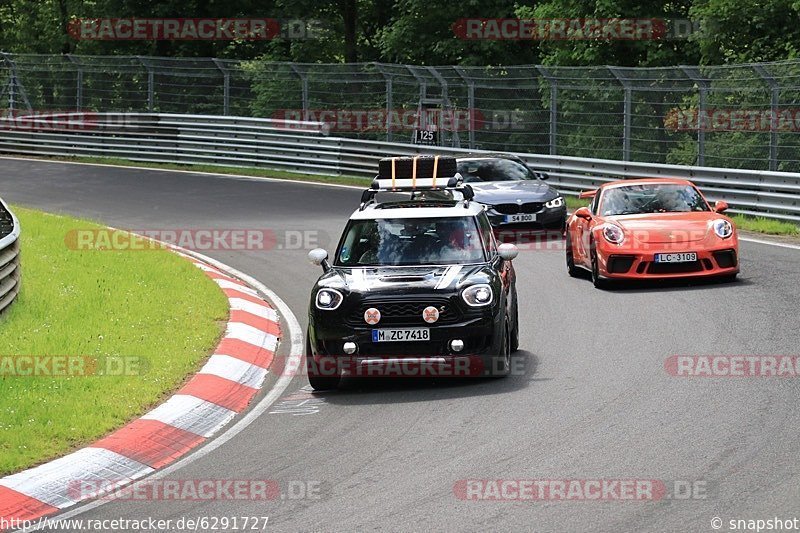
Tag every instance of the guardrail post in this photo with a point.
(703, 85)
(150, 84)
(773, 123)
(553, 83)
(627, 111)
(226, 87)
(79, 83)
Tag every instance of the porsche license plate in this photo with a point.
(683, 257)
(520, 218)
(401, 335)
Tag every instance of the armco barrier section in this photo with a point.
(307, 147)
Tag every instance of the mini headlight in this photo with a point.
(613, 234)
(478, 295)
(723, 228)
(555, 202)
(329, 299)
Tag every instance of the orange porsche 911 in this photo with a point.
(648, 229)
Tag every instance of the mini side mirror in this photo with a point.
(319, 257)
(507, 251)
(721, 206)
(583, 212)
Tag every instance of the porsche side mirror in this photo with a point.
(507, 251)
(721, 206)
(584, 213)
(319, 257)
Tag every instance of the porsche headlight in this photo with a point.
(329, 299)
(613, 234)
(478, 295)
(723, 228)
(555, 202)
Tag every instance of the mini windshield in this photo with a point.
(479, 170)
(411, 241)
(651, 198)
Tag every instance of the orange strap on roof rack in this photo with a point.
(435, 169)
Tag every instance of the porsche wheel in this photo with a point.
(599, 283)
(572, 270)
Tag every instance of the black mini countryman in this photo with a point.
(417, 286)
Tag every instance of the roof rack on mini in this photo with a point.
(417, 174)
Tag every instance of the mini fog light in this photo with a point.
(456, 345)
(350, 348)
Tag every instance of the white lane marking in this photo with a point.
(251, 335)
(58, 483)
(296, 339)
(235, 370)
(191, 414)
(771, 243)
(238, 304)
(300, 403)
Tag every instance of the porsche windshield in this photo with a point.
(479, 170)
(651, 198)
(411, 241)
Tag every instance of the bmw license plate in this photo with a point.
(401, 335)
(683, 257)
(520, 218)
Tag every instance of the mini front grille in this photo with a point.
(405, 313)
(6, 222)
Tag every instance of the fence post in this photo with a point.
(773, 123)
(470, 103)
(389, 100)
(226, 87)
(553, 83)
(150, 84)
(79, 83)
(303, 88)
(627, 111)
(703, 86)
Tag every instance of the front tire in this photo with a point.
(319, 382)
(597, 281)
(501, 363)
(514, 346)
(572, 270)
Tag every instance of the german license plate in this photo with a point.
(401, 335)
(683, 257)
(520, 218)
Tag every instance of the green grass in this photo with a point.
(151, 305)
(765, 225)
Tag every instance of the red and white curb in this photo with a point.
(225, 385)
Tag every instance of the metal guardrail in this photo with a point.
(306, 147)
(9, 256)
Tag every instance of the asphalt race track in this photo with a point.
(594, 400)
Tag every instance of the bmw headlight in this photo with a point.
(723, 228)
(478, 295)
(555, 202)
(329, 299)
(613, 234)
